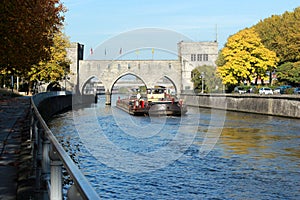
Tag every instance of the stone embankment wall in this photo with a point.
(50, 103)
(277, 105)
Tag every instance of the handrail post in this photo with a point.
(56, 176)
(39, 156)
(31, 130)
(34, 142)
(44, 141)
(46, 160)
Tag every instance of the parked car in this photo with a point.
(297, 90)
(239, 89)
(251, 89)
(281, 89)
(265, 90)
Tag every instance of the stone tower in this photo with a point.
(194, 54)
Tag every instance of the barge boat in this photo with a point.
(157, 103)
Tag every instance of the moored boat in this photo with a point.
(157, 102)
(133, 105)
(169, 108)
(162, 103)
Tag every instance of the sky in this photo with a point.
(93, 22)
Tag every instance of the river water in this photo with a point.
(207, 154)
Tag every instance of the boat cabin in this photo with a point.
(156, 94)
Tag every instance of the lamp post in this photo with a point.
(202, 82)
(65, 81)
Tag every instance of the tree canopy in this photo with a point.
(252, 52)
(57, 66)
(289, 73)
(212, 83)
(281, 34)
(27, 29)
(245, 58)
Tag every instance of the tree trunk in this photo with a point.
(270, 78)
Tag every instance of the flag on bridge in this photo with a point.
(137, 52)
(121, 50)
(152, 53)
(91, 51)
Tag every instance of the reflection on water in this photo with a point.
(256, 135)
(242, 140)
(256, 157)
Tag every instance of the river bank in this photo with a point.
(275, 105)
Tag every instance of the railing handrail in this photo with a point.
(82, 184)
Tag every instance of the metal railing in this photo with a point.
(50, 157)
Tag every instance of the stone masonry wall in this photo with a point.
(283, 105)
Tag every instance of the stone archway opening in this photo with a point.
(93, 86)
(127, 85)
(168, 84)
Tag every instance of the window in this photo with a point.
(170, 65)
(205, 57)
(193, 57)
(119, 66)
(108, 66)
(199, 57)
(128, 66)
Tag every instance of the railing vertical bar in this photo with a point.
(46, 161)
(58, 157)
(56, 176)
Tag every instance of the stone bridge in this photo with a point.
(108, 72)
(149, 71)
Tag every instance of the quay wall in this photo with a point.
(276, 105)
(51, 103)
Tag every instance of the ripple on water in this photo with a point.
(256, 157)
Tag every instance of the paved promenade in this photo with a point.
(15, 159)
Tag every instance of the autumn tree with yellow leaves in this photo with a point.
(245, 58)
(57, 66)
(28, 29)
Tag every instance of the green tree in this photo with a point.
(220, 59)
(246, 58)
(57, 66)
(289, 73)
(281, 34)
(27, 28)
(211, 82)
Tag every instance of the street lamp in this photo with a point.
(202, 82)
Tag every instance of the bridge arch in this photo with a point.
(171, 81)
(84, 90)
(115, 80)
